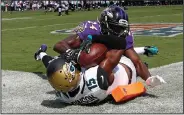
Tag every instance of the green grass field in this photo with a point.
(22, 37)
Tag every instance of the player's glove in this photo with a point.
(72, 55)
(150, 50)
(154, 81)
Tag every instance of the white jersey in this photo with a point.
(88, 90)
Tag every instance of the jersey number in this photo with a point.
(92, 25)
(91, 83)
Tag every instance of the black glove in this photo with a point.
(72, 55)
(85, 46)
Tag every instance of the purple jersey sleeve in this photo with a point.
(86, 28)
(130, 40)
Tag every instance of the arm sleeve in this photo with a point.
(111, 41)
(102, 78)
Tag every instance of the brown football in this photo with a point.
(94, 57)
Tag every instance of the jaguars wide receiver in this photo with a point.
(76, 85)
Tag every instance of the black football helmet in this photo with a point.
(114, 21)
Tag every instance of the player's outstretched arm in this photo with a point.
(141, 68)
(70, 42)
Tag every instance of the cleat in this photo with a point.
(43, 48)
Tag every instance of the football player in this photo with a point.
(113, 21)
(76, 85)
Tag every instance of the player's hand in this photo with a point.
(72, 55)
(150, 50)
(154, 81)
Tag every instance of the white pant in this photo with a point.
(120, 74)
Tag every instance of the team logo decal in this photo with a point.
(63, 31)
(79, 28)
(162, 30)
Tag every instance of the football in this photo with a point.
(96, 54)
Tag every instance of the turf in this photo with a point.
(22, 37)
(35, 95)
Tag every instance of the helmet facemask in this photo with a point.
(69, 71)
(119, 29)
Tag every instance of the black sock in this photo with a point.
(46, 60)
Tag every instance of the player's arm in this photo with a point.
(113, 57)
(110, 41)
(110, 62)
(73, 41)
(70, 42)
(141, 68)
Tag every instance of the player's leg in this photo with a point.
(146, 50)
(42, 55)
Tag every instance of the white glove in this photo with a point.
(154, 81)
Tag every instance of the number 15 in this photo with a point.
(91, 84)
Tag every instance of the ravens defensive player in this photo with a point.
(113, 21)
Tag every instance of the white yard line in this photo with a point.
(70, 23)
(37, 26)
(18, 18)
(20, 28)
(26, 18)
